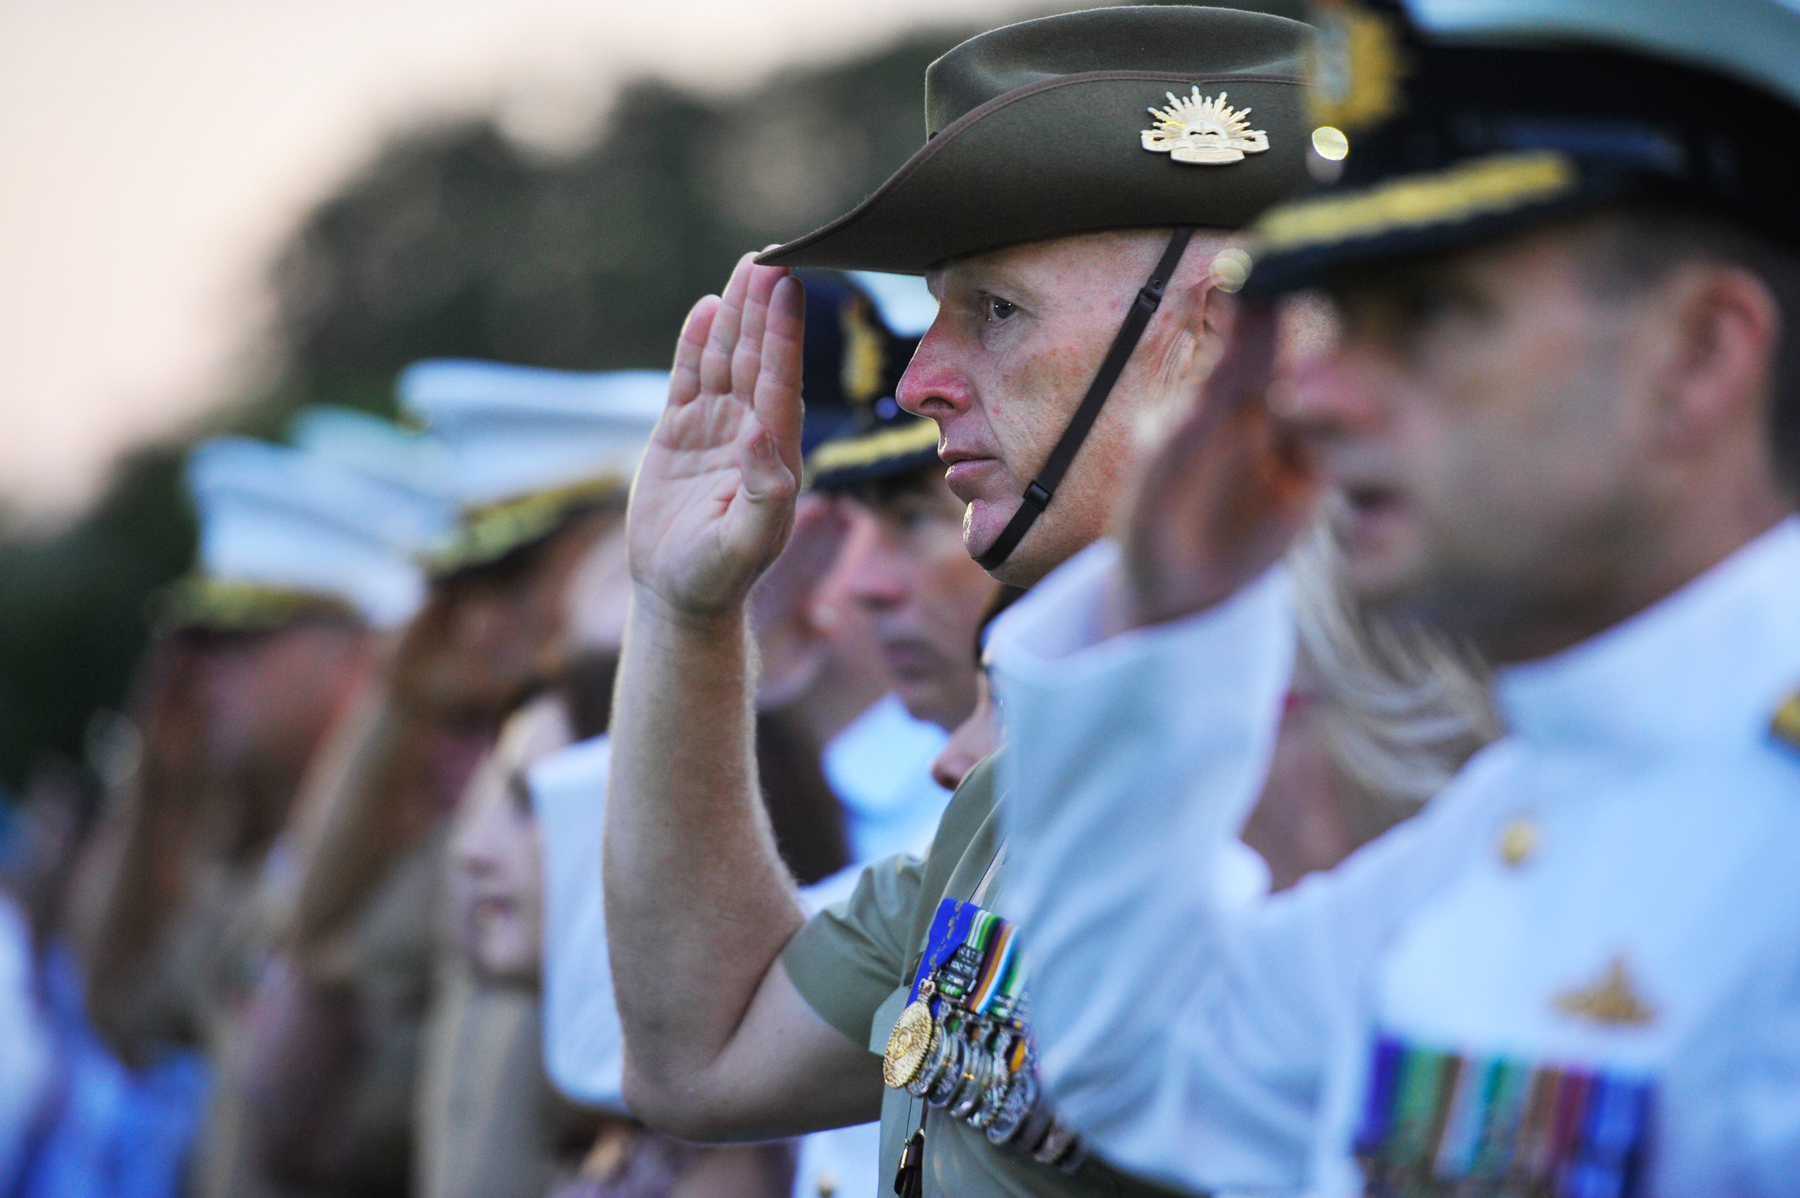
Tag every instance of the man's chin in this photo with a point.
(983, 522)
(1384, 577)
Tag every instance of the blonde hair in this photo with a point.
(1400, 707)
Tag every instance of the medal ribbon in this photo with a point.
(1437, 1122)
(973, 960)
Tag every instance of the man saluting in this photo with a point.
(1164, 129)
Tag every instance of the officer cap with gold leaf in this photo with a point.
(289, 533)
(882, 317)
(1114, 118)
(1451, 121)
(528, 448)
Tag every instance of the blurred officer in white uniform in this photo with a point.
(532, 461)
(304, 567)
(1562, 417)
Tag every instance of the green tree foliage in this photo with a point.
(458, 242)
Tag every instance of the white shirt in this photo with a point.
(1228, 1048)
(584, 1043)
(879, 767)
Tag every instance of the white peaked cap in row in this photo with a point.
(1756, 40)
(378, 448)
(283, 518)
(513, 431)
(906, 304)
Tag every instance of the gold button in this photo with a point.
(1518, 841)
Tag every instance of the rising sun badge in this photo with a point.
(1201, 130)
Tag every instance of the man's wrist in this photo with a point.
(729, 620)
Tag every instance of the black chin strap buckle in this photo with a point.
(1041, 489)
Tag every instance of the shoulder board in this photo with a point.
(1786, 723)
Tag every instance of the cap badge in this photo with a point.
(1198, 130)
(864, 362)
(1611, 1002)
(1354, 67)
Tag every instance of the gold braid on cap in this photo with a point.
(915, 436)
(227, 605)
(1480, 187)
(490, 532)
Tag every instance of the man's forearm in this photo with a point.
(357, 817)
(698, 903)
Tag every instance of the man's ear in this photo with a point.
(1201, 322)
(1718, 368)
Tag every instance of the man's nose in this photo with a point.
(1331, 393)
(874, 577)
(935, 383)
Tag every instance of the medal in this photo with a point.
(1009, 1054)
(1021, 1096)
(910, 1040)
(977, 1066)
(937, 1059)
(1034, 1126)
(950, 1078)
(961, 1042)
(1058, 1147)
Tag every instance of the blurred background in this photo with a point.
(220, 211)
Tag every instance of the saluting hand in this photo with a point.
(714, 499)
(1221, 499)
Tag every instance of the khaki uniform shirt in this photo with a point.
(484, 1102)
(854, 962)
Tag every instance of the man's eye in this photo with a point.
(999, 309)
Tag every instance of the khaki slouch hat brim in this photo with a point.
(1036, 131)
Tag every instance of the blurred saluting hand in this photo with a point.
(714, 499)
(1221, 499)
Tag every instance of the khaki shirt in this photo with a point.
(854, 961)
(484, 1102)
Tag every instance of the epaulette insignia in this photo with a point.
(1612, 1001)
(1786, 723)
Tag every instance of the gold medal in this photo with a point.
(909, 1041)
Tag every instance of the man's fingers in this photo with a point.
(778, 385)
(1222, 497)
(1249, 362)
(746, 358)
(684, 375)
(1238, 384)
(767, 482)
(721, 344)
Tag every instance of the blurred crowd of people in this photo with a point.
(1263, 662)
(298, 944)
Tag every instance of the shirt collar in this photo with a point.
(1704, 667)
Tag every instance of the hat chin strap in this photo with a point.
(1039, 492)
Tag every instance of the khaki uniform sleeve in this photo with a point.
(851, 956)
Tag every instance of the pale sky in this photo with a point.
(156, 152)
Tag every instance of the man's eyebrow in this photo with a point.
(997, 278)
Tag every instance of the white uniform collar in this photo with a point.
(1704, 667)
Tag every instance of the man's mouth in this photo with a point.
(907, 658)
(1370, 499)
(1368, 507)
(495, 907)
(970, 474)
